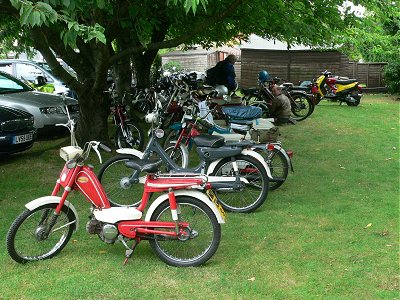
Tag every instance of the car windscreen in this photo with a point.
(12, 85)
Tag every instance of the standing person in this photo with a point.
(223, 73)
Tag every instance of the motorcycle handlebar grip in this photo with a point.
(105, 148)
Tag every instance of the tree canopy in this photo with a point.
(93, 36)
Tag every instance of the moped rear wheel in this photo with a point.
(28, 238)
(254, 193)
(133, 138)
(279, 167)
(302, 107)
(202, 238)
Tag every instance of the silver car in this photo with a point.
(47, 109)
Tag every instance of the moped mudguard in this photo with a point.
(52, 199)
(130, 151)
(248, 152)
(190, 193)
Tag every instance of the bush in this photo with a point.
(392, 76)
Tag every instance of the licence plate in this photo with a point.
(23, 138)
(214, 199)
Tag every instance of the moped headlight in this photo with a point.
(159, 133)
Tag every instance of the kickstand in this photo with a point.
(129, 252)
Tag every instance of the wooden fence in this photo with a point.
(299, 65)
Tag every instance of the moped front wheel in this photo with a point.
(114, 177)
(199, 240)
(254, 192)
(31, 236)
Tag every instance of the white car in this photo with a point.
(47, 109)
(28, 70)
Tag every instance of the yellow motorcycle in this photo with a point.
(334, 88)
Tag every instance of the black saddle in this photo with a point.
(144, 165)
(250, 91)
(347, 81)
(242, 143)
(211, 141)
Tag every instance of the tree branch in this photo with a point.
(199, 27)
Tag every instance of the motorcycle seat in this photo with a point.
(347, 81)
(250, 91)
(144, 165)
(211, 141)
(300, 88)
(242, 112)
(242, 122)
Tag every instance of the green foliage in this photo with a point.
(376, 38)
(392, 76)
(172, 66)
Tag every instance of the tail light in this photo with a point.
(270, 147)
(359, 88)
(314, 89)
(289, 153)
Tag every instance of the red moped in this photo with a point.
(182, 224)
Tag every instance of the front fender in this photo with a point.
(189, 193)
(49, 200)
(130, 151)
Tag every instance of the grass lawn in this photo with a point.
(330, 232)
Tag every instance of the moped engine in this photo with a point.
(107, 232)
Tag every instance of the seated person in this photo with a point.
(280, 108)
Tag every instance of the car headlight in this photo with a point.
(52, 110)
(30, 121)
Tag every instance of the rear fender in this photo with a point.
(49, 200)
(248, 152)
(259, 158)
(190, 193)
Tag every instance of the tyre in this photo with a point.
(176, 155)
(134, 137)
(255, 192)
(302, 107)
(279, 167)
(204, 233)
(143, 106)
(27, 239)
(355, 97)
(170, 135)
(114, 176)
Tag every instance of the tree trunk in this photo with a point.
(94, 109)
(142, 65)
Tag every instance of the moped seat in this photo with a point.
(144, 165)
(206, 140)
(242, 143)
(347, 81)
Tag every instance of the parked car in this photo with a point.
(47, 109)
(28, 70)
(17, 132)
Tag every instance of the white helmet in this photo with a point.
(221, 90)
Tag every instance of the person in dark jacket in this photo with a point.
(224, 73)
